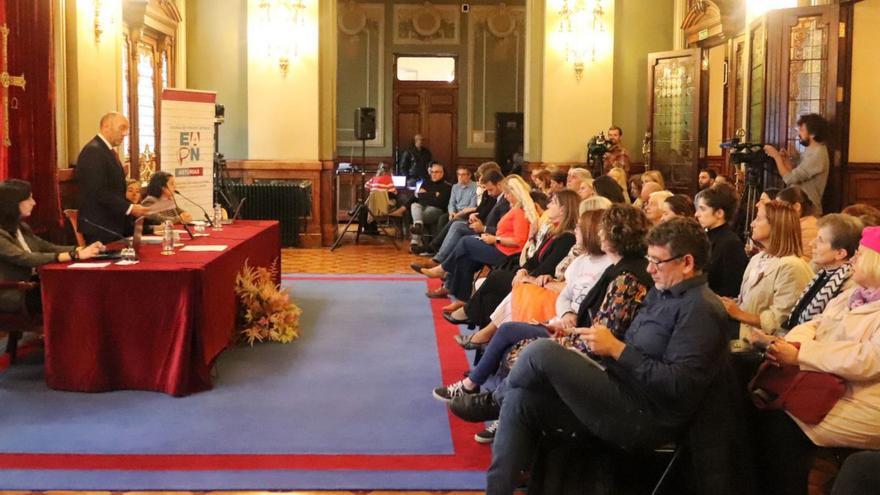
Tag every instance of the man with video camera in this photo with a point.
(811, 172)
(616, 156)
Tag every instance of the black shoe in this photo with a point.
(448, 317)
(416, 229)
(475, 408)
(487, 435)
(415, 248)
(453, 390)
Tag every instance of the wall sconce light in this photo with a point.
(583, 30)
(284, 20)
(102, 19)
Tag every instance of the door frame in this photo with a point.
(424, 85)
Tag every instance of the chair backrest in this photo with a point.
(73, 217)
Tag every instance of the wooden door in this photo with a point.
(794, 71)
(429, 109)
(674, 94)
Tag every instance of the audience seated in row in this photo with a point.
(472, 253)
(484, 218)
(551, 245)
(656, 375)
(844, 340)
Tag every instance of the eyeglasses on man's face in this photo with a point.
(656, 263)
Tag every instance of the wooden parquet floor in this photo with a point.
(370, 256)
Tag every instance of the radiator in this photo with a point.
(289, 202)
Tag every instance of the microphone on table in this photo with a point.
(207, 217)
(177, 212)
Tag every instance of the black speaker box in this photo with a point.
(365, 123)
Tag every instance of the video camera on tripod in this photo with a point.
(596, 149)
(760, 173)
(758, 164)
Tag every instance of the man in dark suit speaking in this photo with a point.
(101, 181)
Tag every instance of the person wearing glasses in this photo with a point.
(463, 200)
(430, 207)
(612, 303)
(654, 379)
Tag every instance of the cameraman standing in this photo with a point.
(616, 156)
(811, 173)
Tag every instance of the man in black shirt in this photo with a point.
(416, 162)
(653, 382)
(432, 200)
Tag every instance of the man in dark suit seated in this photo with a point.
(101, 181)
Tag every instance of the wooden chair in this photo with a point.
(16, 323)
(72, 216)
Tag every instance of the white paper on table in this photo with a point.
(206, 248)
(151, 239)
(127, 262)
(102, 264)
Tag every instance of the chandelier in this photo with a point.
(582, 29)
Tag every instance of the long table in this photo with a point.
(157, 325)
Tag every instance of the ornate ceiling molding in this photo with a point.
(717, 19)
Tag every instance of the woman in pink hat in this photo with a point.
(844, 341)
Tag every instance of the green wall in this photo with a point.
(216, 58)
(505, 74)
(640, 27)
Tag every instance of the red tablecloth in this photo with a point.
(156, 325)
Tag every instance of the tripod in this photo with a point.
(359, 211)
(222, 192)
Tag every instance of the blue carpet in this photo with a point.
(358, 382)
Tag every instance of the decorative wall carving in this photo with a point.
(426, 24)
(361, 63)
(496, 61)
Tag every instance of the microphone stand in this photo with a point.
(119, 237)
(177, 213)
(207, 217)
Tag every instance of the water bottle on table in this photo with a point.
(168, 238)
(218, 217)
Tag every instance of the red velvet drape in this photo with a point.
(32, 155)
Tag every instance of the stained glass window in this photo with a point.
(756, 86)
(165, 69)
(146, 99)
(126, 97)
(806, 76)
(674, 143)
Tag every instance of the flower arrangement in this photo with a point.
(265, 310)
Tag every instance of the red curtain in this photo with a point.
(32, 156)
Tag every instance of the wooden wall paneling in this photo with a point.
(862, 184)
(838, 188)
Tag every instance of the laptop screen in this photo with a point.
(399, 181)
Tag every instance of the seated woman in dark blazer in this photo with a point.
(21, 252)
(161, 188)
